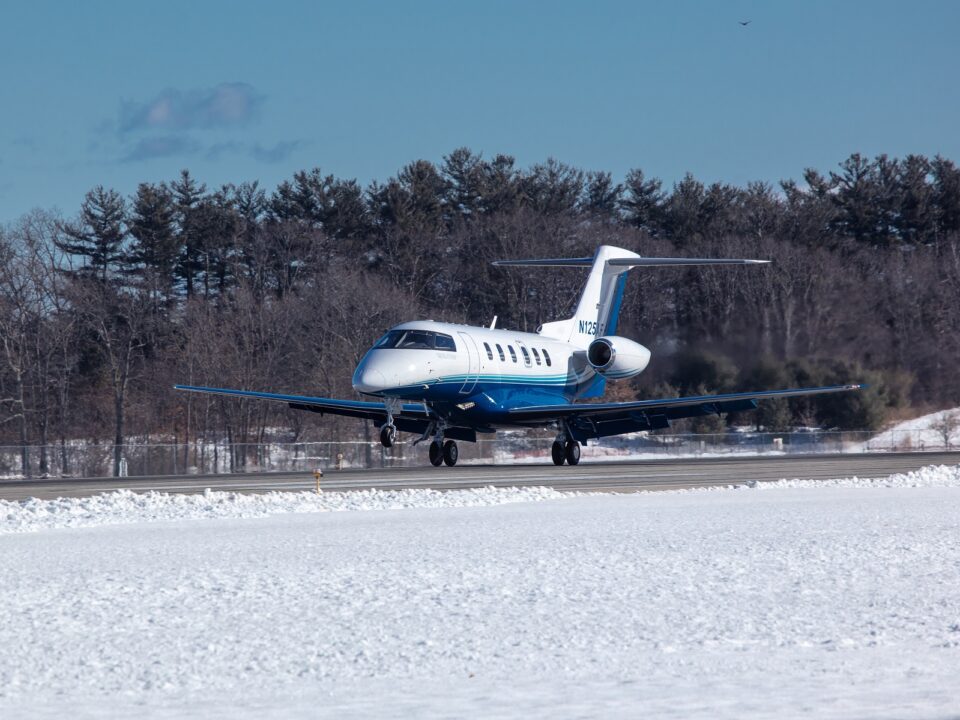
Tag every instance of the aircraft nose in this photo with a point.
(369, 380)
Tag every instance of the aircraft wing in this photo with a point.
(350, 408)
(602, 419)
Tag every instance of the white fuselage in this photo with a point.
(496, 369)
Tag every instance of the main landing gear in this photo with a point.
(443, 452)
(568, 451)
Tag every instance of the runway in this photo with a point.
(587, 477)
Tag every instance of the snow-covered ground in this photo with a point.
(821, 599)
(936, 431)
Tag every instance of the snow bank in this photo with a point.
(123, 506)
(922, 433)
(929, 476)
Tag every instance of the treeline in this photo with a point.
(284, 290)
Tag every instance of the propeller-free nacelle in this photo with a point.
(617, 358)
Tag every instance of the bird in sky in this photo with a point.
(745, 22)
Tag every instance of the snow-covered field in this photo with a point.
(819, 599)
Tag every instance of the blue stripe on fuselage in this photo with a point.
(489, 402)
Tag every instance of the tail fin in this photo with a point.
(598, 311)
(599, 307)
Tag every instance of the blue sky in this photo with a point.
(117, 93)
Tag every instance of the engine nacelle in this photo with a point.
(617, 358)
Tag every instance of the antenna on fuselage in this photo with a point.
(493, 323)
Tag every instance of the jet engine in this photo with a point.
(616, 357)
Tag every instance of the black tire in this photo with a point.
(436, 453)
(450, 453)
(388, 434)
(557, 453)
(573, 452)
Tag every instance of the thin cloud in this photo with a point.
(161, 147)
(277, 153)
(219, 150)
(224, 105)
(265, 154)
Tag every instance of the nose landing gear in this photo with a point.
(388, 435)
(388, 431)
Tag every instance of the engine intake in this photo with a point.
(617, 358)
(600, 353)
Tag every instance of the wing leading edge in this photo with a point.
(409, 417)
(350, 408)
(597, 420)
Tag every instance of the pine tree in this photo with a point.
(98, 235)
(601, 197)
(916, 219)
(155, 247)
(946, 180)
(642, 203)
(187, 194)
(552, 187)
(463, 171)
(684, 211)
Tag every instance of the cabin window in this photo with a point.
(536, 355)
(503, 357)
(489, 351)
(526, 356)
(513, 353)
(546, 356)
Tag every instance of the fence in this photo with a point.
(90, 459)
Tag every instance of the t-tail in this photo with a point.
(598, 311)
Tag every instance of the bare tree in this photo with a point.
(120, 320)
(18, 319)
(946, 426)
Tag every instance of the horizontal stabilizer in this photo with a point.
(547, 262)
(658, 261)
(627, 262)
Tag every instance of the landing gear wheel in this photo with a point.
(388, 434)
(436, 453)
(573, 452)
(450, 453)
(557, 453)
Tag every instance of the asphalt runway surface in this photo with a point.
(609, 476)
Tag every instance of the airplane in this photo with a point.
(449, 382)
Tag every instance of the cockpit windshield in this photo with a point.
(416, 340)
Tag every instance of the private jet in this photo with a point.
(447, 382)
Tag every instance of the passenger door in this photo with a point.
(473, 364)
